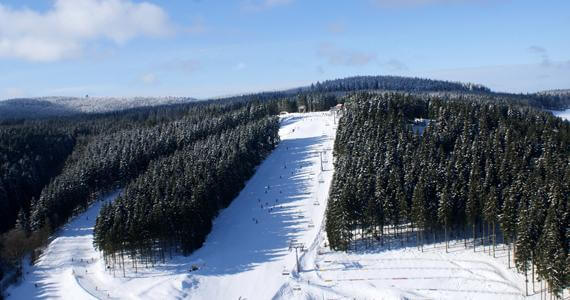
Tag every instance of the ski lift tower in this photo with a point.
(324, 160)
(294, 244)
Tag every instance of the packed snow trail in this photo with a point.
(59, 270)
(247, 253)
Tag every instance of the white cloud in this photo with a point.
(336, 27)
(63, 30)
(8, 93)
(537, 49)
(545, 60)
(396, 65)
(197, 27)
(180, 65)
(149, 78)
(240, 66)
(257, 5)
(399, 3)
(338, 56)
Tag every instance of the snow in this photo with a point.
(68, 254)
(406, 273)
(247, 254)
(564, 114)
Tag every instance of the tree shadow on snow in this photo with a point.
(259, 224)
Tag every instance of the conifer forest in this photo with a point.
(420, 169)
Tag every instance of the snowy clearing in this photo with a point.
(564, 114)
(407, 273)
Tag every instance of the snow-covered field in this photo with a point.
(407, 273)
(248, 255)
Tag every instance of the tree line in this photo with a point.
(478, 171)
(170, 207)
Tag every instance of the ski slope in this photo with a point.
(247, 255)
(58, 272)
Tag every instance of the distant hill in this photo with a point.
(559, 92)
(556, 92)
(43, 107)
(395, 83)
(555, 99)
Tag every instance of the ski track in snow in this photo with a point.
(247, 255)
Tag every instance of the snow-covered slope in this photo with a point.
(246, 253)
(58, 271)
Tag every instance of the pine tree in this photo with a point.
(491, 212)
(524, 242)
(444, 212)
(508, 220)
(472, 209)
(553, 248)
(419, 210)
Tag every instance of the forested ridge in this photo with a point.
(16, 110)
(395, 83)
(479, 171)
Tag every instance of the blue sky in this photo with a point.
(208, 48)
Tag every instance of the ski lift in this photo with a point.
(321, 177)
